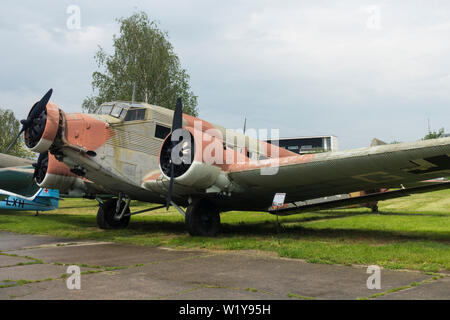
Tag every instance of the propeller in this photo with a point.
(40, 167)
(36, 118)
(177, 123)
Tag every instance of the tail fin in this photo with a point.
(48, 197)
(377, 142)
(48, 193)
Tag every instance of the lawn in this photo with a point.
(409, 233)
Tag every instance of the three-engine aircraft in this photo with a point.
(149, 153)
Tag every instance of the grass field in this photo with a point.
(409, 233)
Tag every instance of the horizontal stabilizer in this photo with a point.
(48, 193)
(41, 193)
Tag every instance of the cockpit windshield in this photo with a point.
(116, 110)
(105, 109)
(123, 111)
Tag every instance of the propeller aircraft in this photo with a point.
(43, 200)
(138, 151)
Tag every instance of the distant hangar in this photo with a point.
(313, 144)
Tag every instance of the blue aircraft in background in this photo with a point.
(43, 200)
(19, 191)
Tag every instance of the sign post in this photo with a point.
(278, 201)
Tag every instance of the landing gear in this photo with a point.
(374, 208)
(108, 217)
(202, 219)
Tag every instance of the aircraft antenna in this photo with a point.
(134, 92)
(245, 123)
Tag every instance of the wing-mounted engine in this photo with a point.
(53, 174)
(198, 160)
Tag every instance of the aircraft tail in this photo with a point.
(377, 142)
(43, 200)
(48, 197)
(48, 193)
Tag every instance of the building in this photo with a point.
(313, 144)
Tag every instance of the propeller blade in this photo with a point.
(169, 193)
(177, 123)
(37, 110)
(15, 140)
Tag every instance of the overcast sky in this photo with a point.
(354, 69)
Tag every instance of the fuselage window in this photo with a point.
(135, 114)
(161, 132)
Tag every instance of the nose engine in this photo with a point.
(42, 128)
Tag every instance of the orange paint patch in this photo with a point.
(58, 168)
(86, 131)
(51, 127)
(152, 177)
(278, 162)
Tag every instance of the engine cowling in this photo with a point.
(42, 132)
(52, 174)
(193, 170)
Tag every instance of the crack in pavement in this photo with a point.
(403, 288)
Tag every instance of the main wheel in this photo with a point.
(202, 219)
(374, 208)
(106, 212)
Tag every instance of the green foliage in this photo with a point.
(434, 134)
(142, 56)
(10, 129)
(406, 234)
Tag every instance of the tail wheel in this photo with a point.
(202, 219)
(106, 213)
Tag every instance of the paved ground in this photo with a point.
(34, 267)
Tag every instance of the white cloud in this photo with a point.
(308, 68)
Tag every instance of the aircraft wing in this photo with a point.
(6, 193)
(341, 201)
(313, 176)
(18, 180)
(7, 160)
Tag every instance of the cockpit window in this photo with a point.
(135, 114)
(123, 113)
(106, 109)
(116, 111)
